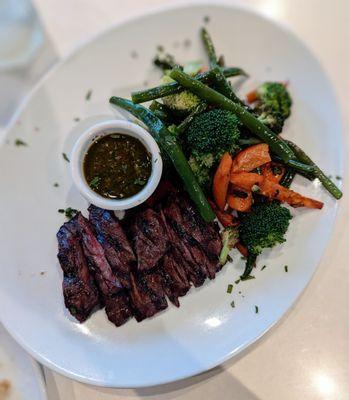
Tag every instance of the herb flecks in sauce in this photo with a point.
(88, 95)
(65, 157)
(117, 166)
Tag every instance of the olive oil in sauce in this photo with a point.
(117, 166)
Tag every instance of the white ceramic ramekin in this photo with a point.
(106, 128)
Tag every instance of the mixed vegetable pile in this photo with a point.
(228, 153)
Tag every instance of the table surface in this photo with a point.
(306, 356)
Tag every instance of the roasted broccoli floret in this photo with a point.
(274, 105)
(182, 102)
(215, 131)
(265, 226)
(230, 237)
(202, 165)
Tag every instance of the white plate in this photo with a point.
(206, 330)
(20, 371)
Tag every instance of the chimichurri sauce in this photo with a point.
(117, 166)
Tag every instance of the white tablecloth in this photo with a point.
(307, 355)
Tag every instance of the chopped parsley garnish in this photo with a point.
(56, 184)
(160, 48)
(95, 182)
(232, 304)
(264, 266)
(338, 177)
(256, 309)
(206, 19)
(237, 281)
(286, 268)
(229, 288)
(88, 95)
(139, 181)
(68, 212)
(247, 278)
(20, 142)
(65, 157)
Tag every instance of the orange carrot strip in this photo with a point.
(226, 219)
(251, 97)
(269, 169)
(246, 180)
(242, 249)
(239, 199)
(251, 158)
(221, 181)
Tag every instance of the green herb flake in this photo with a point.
(229, 288)
(65, 157)
(56, 184)
(264, 266)
(76, 119)
(68, 212)
(160, 48)
(237, 281)
(247, 278)
(95, 182)
(88, 95)
(232, 304)
(139, 181)
(286, 268)
(256, 309)
(339, 178)
(206, 19)
(20, 142)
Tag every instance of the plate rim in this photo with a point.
(105, 382)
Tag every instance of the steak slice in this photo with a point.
(113, 295)
(147, 295)
(150, 239)
(175, 280)
(112, 238)
(118, 308)
(79, 289)
(206, 234)
(107, 281)
(200, 267)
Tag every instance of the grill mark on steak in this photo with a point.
(150, 240)
(147, 295)
(185, 242)
(112, 238)
(118, 308)
(175, 280)
(207, 234)
(79, 289)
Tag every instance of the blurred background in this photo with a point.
(35, 35)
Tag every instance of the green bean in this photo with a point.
(248, 141)
(250, 264)
(288, 177)
(325, 180)
(159, 111)
(173, 87)
(209, 47)
(223, 86)
(249, 120)
(301, 167)
(187, 121)
(169, 145)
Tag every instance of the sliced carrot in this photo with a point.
(273, 171)
(226, 219)
(242, 249)
(239, 199)
(294, 199)
(265, 187)
(251, 97)
(245, 180)
(252, 157)
(221, 181)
